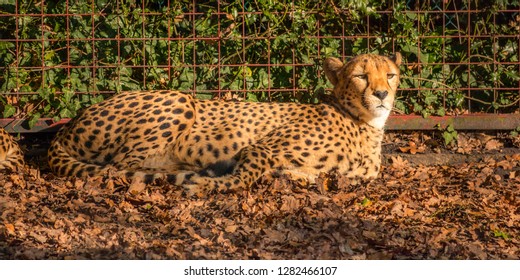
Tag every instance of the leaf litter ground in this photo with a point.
(467, 210)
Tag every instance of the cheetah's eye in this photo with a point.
(390, 76)
(362, 76)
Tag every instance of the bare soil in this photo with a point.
(416, 209)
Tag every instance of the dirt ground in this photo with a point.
(429, 202)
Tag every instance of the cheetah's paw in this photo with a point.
(193, 190)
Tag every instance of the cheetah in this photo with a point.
(213, 145)
(11, 156)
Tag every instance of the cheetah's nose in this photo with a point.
(380, 94)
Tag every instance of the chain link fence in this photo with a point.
(57, 57)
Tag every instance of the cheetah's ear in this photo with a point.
(332, 66)
(396, 58)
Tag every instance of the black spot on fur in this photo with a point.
(219, 168)
(80, 130)
(164, 126)
(148, 178)
(166, 134)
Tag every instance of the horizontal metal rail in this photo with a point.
(395, 123)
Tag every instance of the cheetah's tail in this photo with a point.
(177, 178)
(183, 173)
(63, 164)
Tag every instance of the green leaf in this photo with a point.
(66, 113)
(430, 98)
(9, 110)
(366, 202)
(441, 112)
(501, 234)
(252, 97)
(450, 135)
(33, 119)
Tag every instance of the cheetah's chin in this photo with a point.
(380, 110)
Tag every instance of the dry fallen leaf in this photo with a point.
(10, 228)
(412, 148)
(231, 228)
(398, 162)
(493, 144)
(410, 211)
(136, 187)
(274, 235)
(289, 203)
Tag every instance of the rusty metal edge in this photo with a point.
(42, 125)
(395, 123)
(462, 122)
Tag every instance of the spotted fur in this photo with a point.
(11, 156)
(208, 145)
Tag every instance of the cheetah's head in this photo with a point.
(365, 86)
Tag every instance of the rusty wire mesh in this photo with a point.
(460, 56)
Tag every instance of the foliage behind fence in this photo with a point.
(57, 57)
